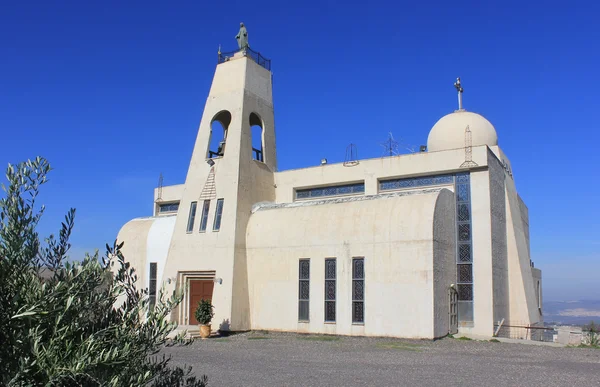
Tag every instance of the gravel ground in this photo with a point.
(279, 359)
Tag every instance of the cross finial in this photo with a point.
(460, 90)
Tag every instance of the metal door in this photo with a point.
(452, 311)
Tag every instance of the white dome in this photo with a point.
(449, 131)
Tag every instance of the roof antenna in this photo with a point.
(390, 146)
(160, 187)
(460, 90)
(351, 156)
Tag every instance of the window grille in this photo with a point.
(464, 254)
(168, 207)
(358, 290)
(413, 182)
(192, 217)
(204, 219)
(320, 192)
(218, 215)
(303, 289)
(152, 286)
(330, 291)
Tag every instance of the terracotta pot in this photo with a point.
(204, 331)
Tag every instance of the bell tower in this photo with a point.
(227, 175)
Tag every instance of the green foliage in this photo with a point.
(204, 312)
(494, 341)
(593, 335)
(465, 338)
(73, 324)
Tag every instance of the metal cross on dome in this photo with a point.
(460, 90)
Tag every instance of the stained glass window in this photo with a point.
(330, 191)
(386, 185)
(204, 219)
(330, 284)
(218, 215)
(168, 207)
(358, 290)
(152, 286)
(303, 289)
(192, 217)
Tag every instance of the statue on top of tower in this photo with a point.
(242, 37)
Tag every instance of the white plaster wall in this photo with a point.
(134, 235)
(158, 242)
(483, 309)
(395, 236)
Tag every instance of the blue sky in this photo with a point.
(112, 94)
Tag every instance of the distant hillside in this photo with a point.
(572, 312)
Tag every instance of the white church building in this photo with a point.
(418, 245)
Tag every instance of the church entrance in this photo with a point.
(199, 289)
(453, 311)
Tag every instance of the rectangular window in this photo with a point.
(152, 286)
(218, 214)
(303, 289)
(336, 190)
(358, 290)
(414, 182)
(330, 293)
(192, 217)
(166, 208)
(204, 219)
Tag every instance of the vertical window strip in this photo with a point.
(464, 254)
(192, 217)
(358, 290)
(218, 215)
(303, 289)
(152, 286)
(330, 291)
(204, 219)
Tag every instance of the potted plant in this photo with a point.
(204, 314)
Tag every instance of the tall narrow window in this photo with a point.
(152, 286)
(192, 217)
(204, 219)
(358, 290)
(303, 289)
(218, 214)
(330, 289)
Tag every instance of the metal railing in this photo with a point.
(522, 331)
(254, 55)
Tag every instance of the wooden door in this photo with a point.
(199, 289)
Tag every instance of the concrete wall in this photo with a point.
(499, 249)
(523, 302)
(444, 259)
(395, 235)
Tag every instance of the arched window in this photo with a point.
(256, 127)
(218, 134)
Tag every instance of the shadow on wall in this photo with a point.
(224, 327)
